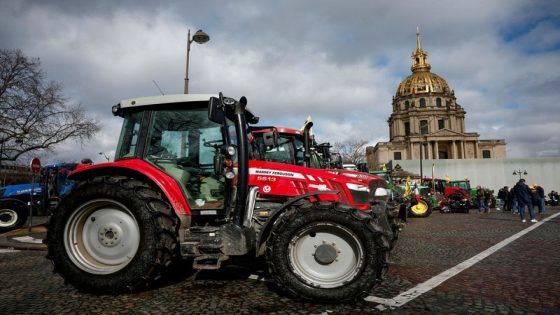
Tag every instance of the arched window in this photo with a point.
(438, 102)
(406, 105)
(422, 102)
(423, 127)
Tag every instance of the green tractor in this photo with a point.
(420, 206)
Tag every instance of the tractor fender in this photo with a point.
(267, 227)
(23, 203)
(141, 170)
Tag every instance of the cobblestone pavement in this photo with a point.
(521, 278)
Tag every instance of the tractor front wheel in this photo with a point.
(327, 253)
(422, 209)
(13, 215)
(112, 235)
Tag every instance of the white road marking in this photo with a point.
(28, 239)
(428, 285)
(258, 278)
(8, 250)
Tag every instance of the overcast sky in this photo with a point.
(338, 61)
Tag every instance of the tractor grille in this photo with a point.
(299, 187)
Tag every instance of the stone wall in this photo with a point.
(492, 173)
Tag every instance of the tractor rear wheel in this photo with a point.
(327, 253)
(112, 235)
(13, 215)
(421, 209)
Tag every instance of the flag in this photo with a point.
(407, 189)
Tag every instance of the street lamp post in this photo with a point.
(519, 172)
(422, 145)
(199, 37)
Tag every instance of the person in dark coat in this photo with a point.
(540, 199)
(503, 196)
(523, 195)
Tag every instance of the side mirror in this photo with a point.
(270, 138)
(216, 110)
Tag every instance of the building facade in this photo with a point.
(428, 123)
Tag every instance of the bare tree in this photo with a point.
(33, 113)
(351, 151)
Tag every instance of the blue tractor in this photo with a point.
(15, 200)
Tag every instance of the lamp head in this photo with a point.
(200, 37)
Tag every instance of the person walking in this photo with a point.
(512, 201)
(523, 196)
(488, 199)
(503, 196)
(540, 199)
(480, 200)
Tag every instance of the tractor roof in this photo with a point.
(172, 99)
(285, 130)
(165, 99)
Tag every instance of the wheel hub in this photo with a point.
(326, 253)
(110, 235)
(8, 217)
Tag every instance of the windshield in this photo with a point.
(282, 153)
(183, 143)
(463, 185)
(128, 139)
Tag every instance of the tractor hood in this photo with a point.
(279, 179)
(21, 189)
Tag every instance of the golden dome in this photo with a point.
(421, 80)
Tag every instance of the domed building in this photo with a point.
(426, 116)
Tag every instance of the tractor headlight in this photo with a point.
(357, 187)
(359, 193)
(381, 192)
(229, 174)
(231, 150)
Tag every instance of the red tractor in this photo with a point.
(456, 198)
(183, 186)
(294, 146)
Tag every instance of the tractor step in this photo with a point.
(205, 245)
(209, 262)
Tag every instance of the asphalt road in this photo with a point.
(443, 264)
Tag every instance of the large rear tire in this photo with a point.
(13, 215)
(327, 253)
(421, 209)
(112, 235)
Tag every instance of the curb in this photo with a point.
(37, 232)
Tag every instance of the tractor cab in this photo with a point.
(283, 145)
(181, 142)
(461, 184)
